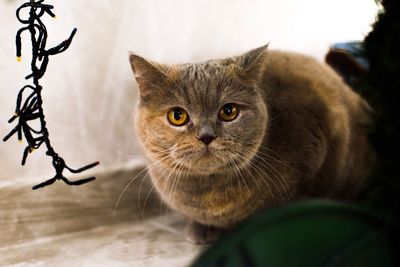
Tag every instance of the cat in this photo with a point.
(229, 137)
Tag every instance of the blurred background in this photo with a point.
(89, 92)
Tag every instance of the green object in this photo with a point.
(315, 233)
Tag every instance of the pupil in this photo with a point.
(228, 110)
(177, 114)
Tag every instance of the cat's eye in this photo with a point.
(178, 116)
(229, 112)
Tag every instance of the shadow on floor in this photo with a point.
(67, 226)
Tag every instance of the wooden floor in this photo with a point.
(76, 226)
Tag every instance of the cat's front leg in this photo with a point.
(201, 234)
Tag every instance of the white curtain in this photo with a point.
(89, 92)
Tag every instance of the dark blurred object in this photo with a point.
(382, 88)
(348, 60)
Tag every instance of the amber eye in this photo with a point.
(229, 112)
(178, 116)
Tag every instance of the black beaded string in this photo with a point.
(31, 95)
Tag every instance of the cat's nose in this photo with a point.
(206, 139)
(206, 133)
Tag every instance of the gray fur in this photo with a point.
(298, 134)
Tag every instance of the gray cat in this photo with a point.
(229, 137)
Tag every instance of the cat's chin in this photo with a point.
(207, 170)
(204, 162)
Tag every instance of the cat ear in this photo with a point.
(249, 66)
(150, 76)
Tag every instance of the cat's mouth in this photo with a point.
(207, 151)
(205, 160)
(204, 153)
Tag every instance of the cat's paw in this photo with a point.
(200, 234)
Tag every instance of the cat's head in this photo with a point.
(203, 117)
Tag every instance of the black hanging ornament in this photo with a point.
(31, 95)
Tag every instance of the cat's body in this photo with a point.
(299, 133)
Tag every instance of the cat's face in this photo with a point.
(201, 118)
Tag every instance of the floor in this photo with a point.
(78, 226)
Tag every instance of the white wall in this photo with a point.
(89, 92)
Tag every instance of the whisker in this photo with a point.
(233, 167)
(226, 159)
(152, 187)
(269, 167)
(175, 183)
(241, 175)
(279, 175)
(133, 179)
(143, 155)
(164, 185)
(280, 160)
(261, 176)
